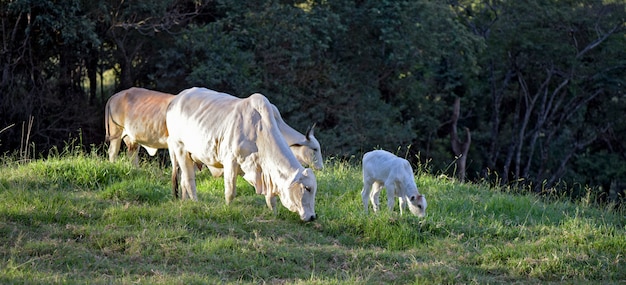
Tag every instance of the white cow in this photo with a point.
(384, 169)
(237, 136)
(306, 147)
(137, 116)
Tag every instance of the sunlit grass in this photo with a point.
(76, 218)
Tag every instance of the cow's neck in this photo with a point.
(291, 135)
(278, 160)
(280, 157)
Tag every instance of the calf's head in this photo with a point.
(417, 205)
(300, 195)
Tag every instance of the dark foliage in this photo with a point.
(540, 83)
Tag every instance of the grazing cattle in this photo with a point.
(306, 147)
(237, 136)
(384, 169)
(137, 116)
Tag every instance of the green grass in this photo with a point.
(76, 218)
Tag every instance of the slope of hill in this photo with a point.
(77, 218)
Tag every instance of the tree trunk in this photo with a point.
(92, 74)
(497, 96)
(459, 148)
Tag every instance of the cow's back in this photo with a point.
(140, 114)
(202, 118)
(202, 104)
(213, 124)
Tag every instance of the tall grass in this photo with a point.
(76, 218)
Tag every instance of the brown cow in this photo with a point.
(137, 116)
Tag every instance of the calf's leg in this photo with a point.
(391, 195)
(402, 202)
(365, 193)
(375, 195)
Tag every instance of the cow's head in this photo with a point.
(300, 195)
(309, 152)
(417, 205)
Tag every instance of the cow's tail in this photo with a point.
(107, 122)
(107, 114)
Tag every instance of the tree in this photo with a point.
(51, 48)
(460, 148)
(540, 83)
(136, 30)
(543, 69)
(44, 51)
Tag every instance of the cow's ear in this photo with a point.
(297, 176)
(310, 131)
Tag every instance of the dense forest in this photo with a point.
(511, 92)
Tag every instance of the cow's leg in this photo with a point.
(114, 148)
(114, 135)
(187, 178)
(174, 173)
(230, 180)
(375, 195)
(133, 150)
(187, 171)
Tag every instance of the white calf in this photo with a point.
(383, 169)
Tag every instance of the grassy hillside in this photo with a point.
(80, 219)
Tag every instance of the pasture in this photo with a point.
(76, 218)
